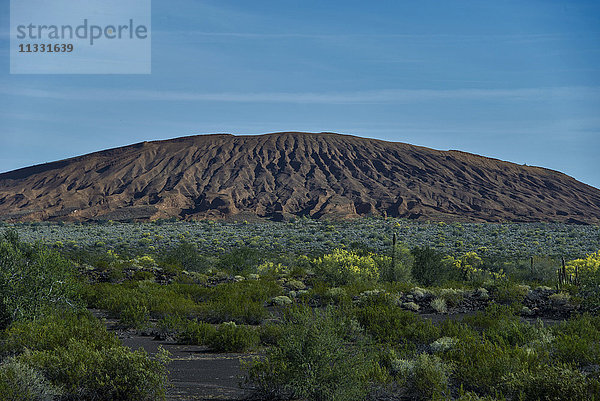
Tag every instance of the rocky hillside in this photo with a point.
(285, 174)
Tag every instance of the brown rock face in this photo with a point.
(285, 174)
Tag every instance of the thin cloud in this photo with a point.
(350, 35)
(359, 97)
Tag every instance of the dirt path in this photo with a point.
(194, 373)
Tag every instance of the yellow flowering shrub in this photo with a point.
(589, 264)
(470, 267)
(342, 267)
(145, 261)
(270, 268)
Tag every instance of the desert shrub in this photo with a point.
(185, 256)
(443, 344)
(501, 325)
(142, 275)
(336, 296)
(270, 333)
(471, 396)
(576, 340)
(543, 272)
(169, 326)
(439, 305)
(560, 298)
(54, 330)
(135, 302)
(33, 279)
(470, 267)
(241, 302)
(281, 301)
(19, 382)
(376, 297)
(426, 377)
(429, 268)
(240, 261)
(167, 300)
(390, 324)
(508, 292)
(455, 329)
(230, 337)
(272, 269)
(342, 267)
(452, 296)
(295, 285)
(550, 383)
(589, 291)
(591, 263)
(312, 360)
(195, 332)
(111, 373)
(76, 353)
(184, 330)
(135, 314)
(479, 362)
(399, 268)
(411, 306)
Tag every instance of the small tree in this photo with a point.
(429, 268)
(399, 267)
(32, 279)
(312, 360)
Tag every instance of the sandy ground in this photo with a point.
(195, 373)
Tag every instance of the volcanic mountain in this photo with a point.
(291, 174)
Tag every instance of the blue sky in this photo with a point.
(514, 80)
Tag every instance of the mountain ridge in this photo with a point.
(281, 175)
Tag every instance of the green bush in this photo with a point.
(76, 353)
(480, 363)
(576, 341)
(143, 275)
(230, 337)
(426, 377)
(33, 279)
(270, 333)
(170, 326)
(135, 314)
(343, 267)
(428, 268)
(439, 305)
(550, 383)
(399, 268)
(135, 302)
(471, 396)
(313, 361)
(589, 290)
(195, 333)
(241, 302)
(507, 292)
(19, 382)
(112, 373)
(453, 297)
(322, 294)
(185, 256)
(54, 330)
(455, 329)
(390, 324)
(501, 325)
(240, 261)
